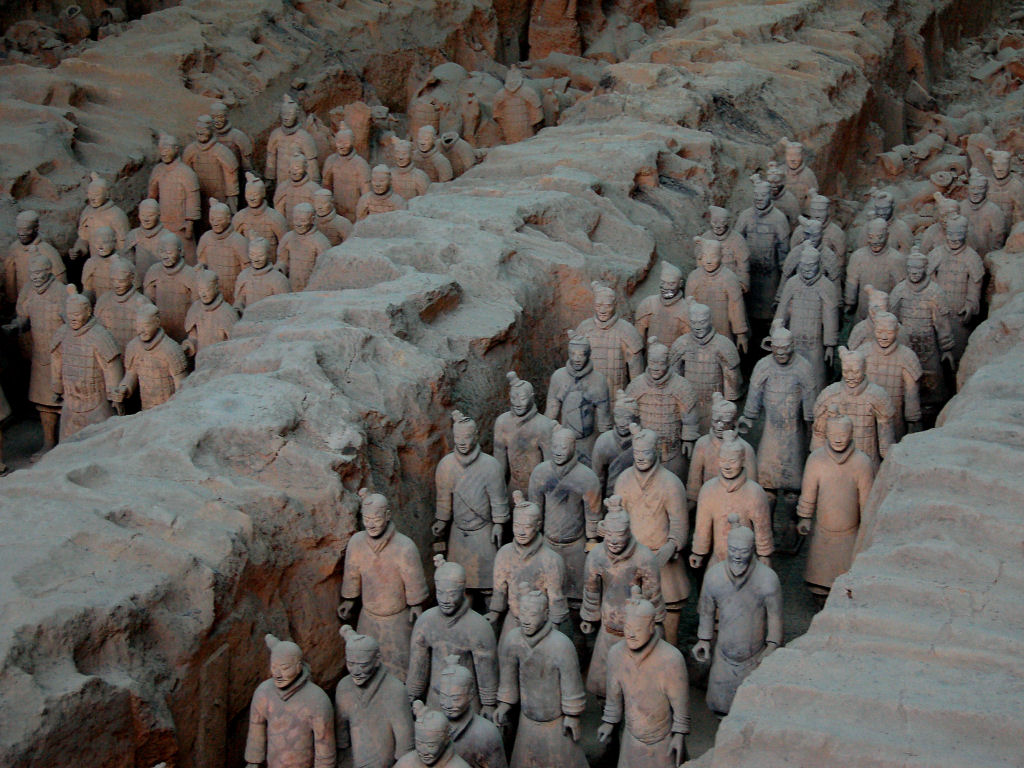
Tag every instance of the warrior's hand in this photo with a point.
(803, 526)
(571, 726)
(604, 732)
(701, 651)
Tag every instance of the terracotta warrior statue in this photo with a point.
(832, 236)
(407, 179)
(260, 279)
(744, 598)
(346, 174)
(540, 671)
(923, 313)
(334, 227)
(1005, 189)
(372, 719)
(664, 315)
(708, 360)
(258, 219)
(175, 187)
(210, 318)
(988, 226)
(704, 465)
(99, 211)
(474, 738)
(96, 271)
(616, 347)
(517, 109)
(578, 397)
(20, 253)
(171, 286)
(299, 188)
(959, 272)
(612, 569)
(142, 244)
(830, 265)
(428, 156)
(715, 286)
(528, 560)
(896, 369)
(649, 689)
(383, 571)
(231, 137)
(433, 742)
(460, 153)
(782, 198)
(613, 451)
(766, 232)
(837, 481)
(810, 308)
(222, 249)
(522, 435)
(214, 163)
(867, 405)
(452, 628)
(285, 141)
(117, 308)
(568, 494)
(473, 499)
(799, 178)
(300, 247)
(884, 207)
(947, 208)
(877, 264)
(380, 198)
(153, 362)
(291, 724)
(554, 28)
(735, 251)
(85, 366)
(656, 500)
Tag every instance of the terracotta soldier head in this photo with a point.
(204, 129)
(220, 216)
(375, 513)
(259, 252)
(426, 138)
(343, 141)
(614, 528)
(526, 520)
(464, 433)
(878, 235)
(403, 153)
(457, 689)
(563, 446)
(520, 395)
(167, 147)
(887, 327)
(776, 178)
(147, 322)
(645, 448)
(289, 112)
(854, 366)
(255, 190)
(285, 661)
(219, 115)
(122, 275)
(794, 154)
(579, 351)
(700, 320)
(819, 207)
(302, 218)
(26, 224)
(810, 263)
(149, 214)
(732, 456)
(762, 193)
(207, 286)
(781, 342)
(604, 301)
(380, 179)
(956, 232)
(709, 253)
(719, 220)
(430, 733)
(977, 187)
(741, 547)
(838, 430)
(362, 655)
(104, 241)
(297, 167)
(1000, 162)
(917, 265)
(640, 620)
(657, 359)
(813, 231)
(947, 207)
(513, 80)
(671, 281)
(723, 415)
(625, 411)
(449, 585)
(169, 249)
(323, 203)
(878, 301)
(533, 609)
(40, 271)
(77, 308)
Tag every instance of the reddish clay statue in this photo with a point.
(471, 495)
(744, 598)
(291, 724)
(988, 226)
(704, 465)
(540, 671)
(656, 501)
(233, 138)
(171, 286)
(812, 238)
(708, 360)
(867, 405)
(612, 569)
(884, 207)
(522, 435)
(96, 271)
(428, 156)
(766, 232)
(259, 280)
(1005, 189)
(553, 29)
(782, 198)
(896, 369)
(664, 315)
(616, 347)
(649, 689)
(613, 451)
(176, 187)
(100, 211)
(452, 628)
(258, 219)
(117, 308)
(809, 307)
(222, 249)
(568, 494)
(285, 141)
(299, 188)
(475, 739)
(153, 362)
(735, 251)
(837, 481)
(372, 718)
(460, 153)
(346, 174)
(733, 491)
(408, 180)
(578, 397)
(715, 286)
(142, 243)
(948, 208)
(85, 366)
(300, 247)
(517, 109)
(334, 227)
(214, 163)
(877, 264)
(383, 570)
(210, 318)
(380, 198)
(799, 178)
(832, 236)
(21, 251)
(959, 271)
(433, 742)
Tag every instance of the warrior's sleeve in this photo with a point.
(497, 493)
(690, 418)
(941, 322)
(485, 662)
(256, 741)
(830, 313)
(419, 660)
(590, 610)
(702, 529)
(508, 672)
(443, 505)
(614, 703)
(773, 609)
(324, 748)
(737, 310)
(808, 503)
(574, 696)
(677, 690)
(911, 387)
(761, 517)
(351, 580)
(416, 590)
(732, 377)
(706, 612)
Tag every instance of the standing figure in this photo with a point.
(452, 628)
(472, 497)
(948, 208)
(1005, 189)
(716, 286)
(117, 309)
(517, 109)
(522, 435)
(285, 141)
(541, 672)
(812, 233)
(877, 264)
(171, 286)
(20, 253)
(86, 367)
(258, 219)
(175, 187)
(334, 227)
(291, 724)
(668, 406)
(153, 362)
(380, 198)
(210, 318)
(612, 569)
(766, 232)
(372, 718)
(259, 280)
(428, 157)
(299, 188)
(731, 492)
(96, 270)
(745, 597)
(553, 29)
(896, 369)
(708, 360)
(988, 226)
(735, 251)
(383, 571)
(432, 737)
(959, 271)
(568, 494)
(920, 306)
(578, 397)
(832, 236)
(616, 347)
(884, 207)
(301, 247)
(664, 315)
(346, 174)
(222, 249)
(649, 689)
(142, 244)
(233, 138)
(99, 211)
(613, 451)
(835, 490)
(215, 165)
(704, 465)
(782, 198)
(656, 501)
(408, 180)
(799, 178)
(867, 405)
(474, 738)
(809, 307)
